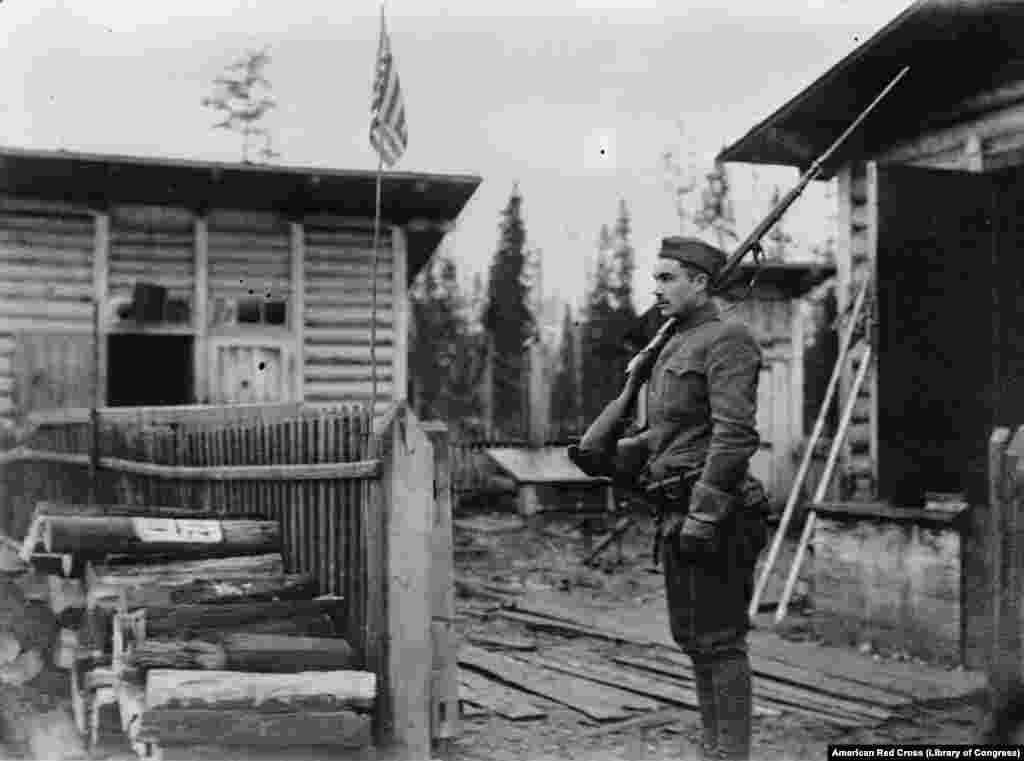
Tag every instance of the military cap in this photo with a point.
(694, 252)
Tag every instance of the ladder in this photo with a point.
(846, 353)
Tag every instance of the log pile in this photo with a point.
(191, 625)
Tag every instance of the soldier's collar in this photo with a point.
(699, 316)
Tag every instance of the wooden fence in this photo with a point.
(364, 510)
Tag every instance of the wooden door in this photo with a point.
(776, 413)
(250, 371)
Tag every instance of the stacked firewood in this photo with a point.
(190, 624)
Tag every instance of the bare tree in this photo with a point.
(242, 96)
(679, 167)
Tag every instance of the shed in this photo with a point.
(214, 282)
(929, 200)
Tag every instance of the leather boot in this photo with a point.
(733, 705)
(706, 704)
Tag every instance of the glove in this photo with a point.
(699, 538)
(700, 534)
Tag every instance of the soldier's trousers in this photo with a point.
(708, 596)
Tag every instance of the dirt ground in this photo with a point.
(496, 550)
(545, 557)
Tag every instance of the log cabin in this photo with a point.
(212, 283)
(929, 201)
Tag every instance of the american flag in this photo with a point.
(387, 125)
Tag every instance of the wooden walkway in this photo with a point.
(621, 669)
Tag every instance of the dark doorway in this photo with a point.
(146, 370)
(951, 320)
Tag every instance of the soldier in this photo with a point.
(692, 460)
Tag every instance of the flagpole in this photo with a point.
(373, 292)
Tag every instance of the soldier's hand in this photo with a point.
(698, 538)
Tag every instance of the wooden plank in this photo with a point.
(298, 472)
(151, 218)
(54, 255)
(646, 721)
(577, 662)
(263, 693)
(468, 710)
(502, 700)
(114, 535)
(910, 680)
(346, 373)
(347, 391)
(165, 621)
(550, 624)
(355, 315)
(347, 335)
(238, 727)
(615, 677)
(762, 695)
(505, 642)
(593, 700)
(179, 414)
(1005, 643)
(811, 680)
(45, 309)
(540, 466)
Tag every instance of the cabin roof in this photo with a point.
(427, 202)
(954, 48)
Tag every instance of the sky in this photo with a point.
(574, 102)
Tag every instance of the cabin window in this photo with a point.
(255, 310)
(149, 370)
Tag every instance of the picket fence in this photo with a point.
(365, 510)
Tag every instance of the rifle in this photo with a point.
(593, 453)
(645, 357)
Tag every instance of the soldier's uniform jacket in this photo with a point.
(702, 403)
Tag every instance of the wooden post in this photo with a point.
(297, 309)
(398, 607)
(100, 291)
(445, 678)
(200, 307)
(872, 275)
(1002, 644)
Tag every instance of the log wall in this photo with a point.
(56, 258)
(338, 301)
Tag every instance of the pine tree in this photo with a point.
(565, 393)
(508, 319)
(442, 356)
